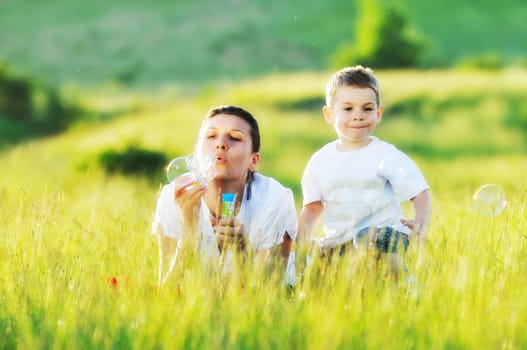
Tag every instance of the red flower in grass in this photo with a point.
(112, 282)
(122, 282)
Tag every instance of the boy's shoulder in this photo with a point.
(382, 145)
(377, 145)
(326, 149)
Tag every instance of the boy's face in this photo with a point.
(354, 114)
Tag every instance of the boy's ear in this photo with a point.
(328, 115)
(379, 114)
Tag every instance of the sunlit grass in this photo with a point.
(66, 227)
(469, 278)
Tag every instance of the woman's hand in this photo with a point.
(187, 194)
(229, 232)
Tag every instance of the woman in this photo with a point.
(188, 214)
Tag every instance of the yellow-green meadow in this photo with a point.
(79, 266)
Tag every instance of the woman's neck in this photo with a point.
(216, 188)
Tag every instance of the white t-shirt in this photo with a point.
(360, 188)
(266, 216)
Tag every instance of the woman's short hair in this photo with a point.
(245, 115)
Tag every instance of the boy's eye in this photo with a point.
(347, 109)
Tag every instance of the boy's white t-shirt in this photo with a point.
(360, 188)
(266, 216)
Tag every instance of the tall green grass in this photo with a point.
(67, 227)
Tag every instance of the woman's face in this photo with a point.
(228, 137)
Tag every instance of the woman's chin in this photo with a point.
(220, 177)
(227, 177)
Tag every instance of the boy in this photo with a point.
(358, 181)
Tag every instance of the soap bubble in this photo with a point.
(489, 200)
(390, 168)
(205, 165)
(177, 167)
(199, 167)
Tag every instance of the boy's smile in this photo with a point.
(354, 114)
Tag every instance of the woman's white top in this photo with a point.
(360, 188)
(266, 216)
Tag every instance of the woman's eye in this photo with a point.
(236, 138)
(347, 109)
(211, 136)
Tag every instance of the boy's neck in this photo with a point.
(352, 146)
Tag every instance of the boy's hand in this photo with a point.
(304, 257)
(423, 208)
(415, 228)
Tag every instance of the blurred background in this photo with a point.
(79, 64)
(148, 43)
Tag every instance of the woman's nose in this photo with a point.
(222, 144)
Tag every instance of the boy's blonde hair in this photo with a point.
(358, 76)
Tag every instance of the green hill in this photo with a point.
(156, 42)
(433, 115)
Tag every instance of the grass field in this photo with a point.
(67, 226)
(78, 267)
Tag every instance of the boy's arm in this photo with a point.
(309, 217)
(423, 209)
(308, 220)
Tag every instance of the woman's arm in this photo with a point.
(230, 234)
(167, 256)
(186, 195)
(277, 255)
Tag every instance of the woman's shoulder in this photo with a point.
(268, 193)
(267, 185)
